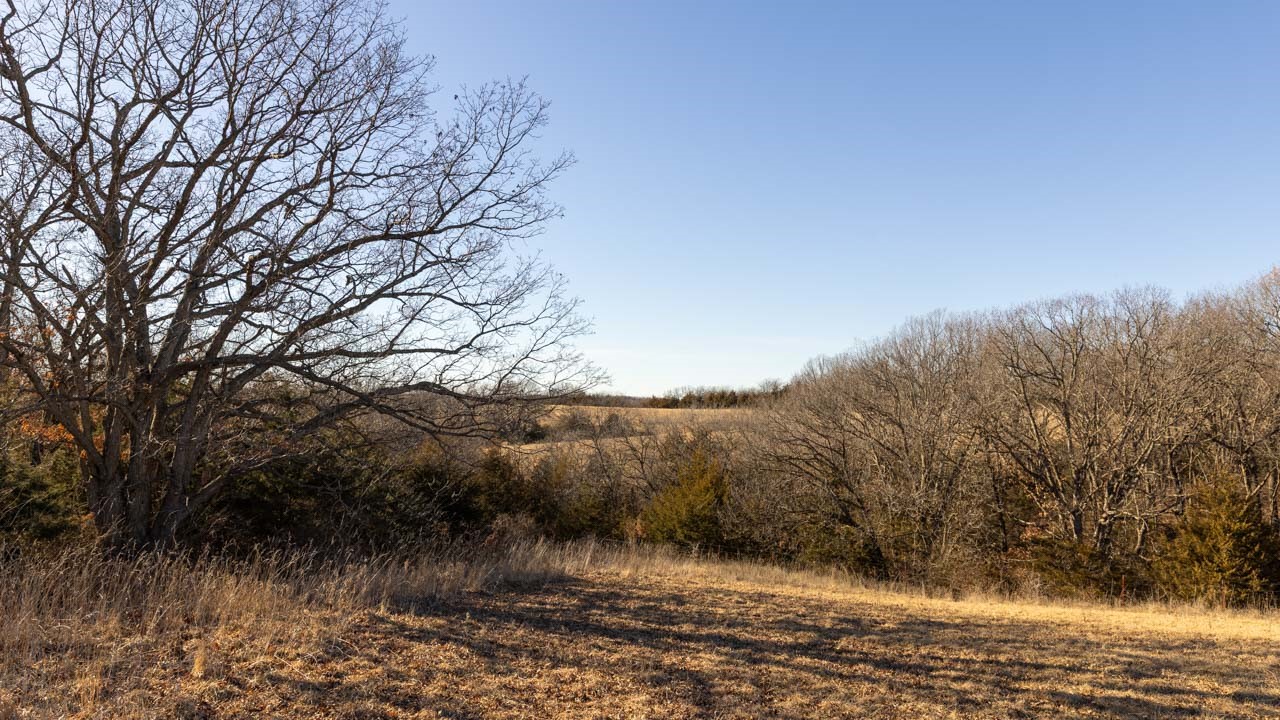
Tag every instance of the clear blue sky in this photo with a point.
(758, 184)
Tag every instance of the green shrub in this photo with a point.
(497, 487)
(830, 542)
(1070, 569)
(1222, 552)
(38, 500)
(688, 512)
(357, 499)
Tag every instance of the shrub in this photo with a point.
(366, 499)
(577, 499)
(688, 512)
(1077, 570)
(38, 500)
(1222, 552)
(827, 541)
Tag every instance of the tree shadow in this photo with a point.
(571, 648)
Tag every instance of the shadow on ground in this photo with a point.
(685, 649)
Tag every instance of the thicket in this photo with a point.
(39, 498)
(1123, 445)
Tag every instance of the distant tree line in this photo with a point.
(695, 398)
(720, 397)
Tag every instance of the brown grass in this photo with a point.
(648, 424)
(648, 421)
(533, 630)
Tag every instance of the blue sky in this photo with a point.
(759, 184)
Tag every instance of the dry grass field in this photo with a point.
(647, 421)
(585, 631)
(643, 423)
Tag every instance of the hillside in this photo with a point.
(591, 429)
(562, 418)
(587, 632)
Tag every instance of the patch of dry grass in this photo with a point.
(82, 635)
(534, 630)
(642, 427)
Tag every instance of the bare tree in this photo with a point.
(884, 436)
(1090, 409)
(811, 448)
(1235, 343)
(242, 222)
(913, 414)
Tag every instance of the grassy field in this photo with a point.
(584, 631)
(640, 425)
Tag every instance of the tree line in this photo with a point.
(687, 398)
(1121, 445)
(1086, 434)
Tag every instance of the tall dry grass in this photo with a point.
(80, 631)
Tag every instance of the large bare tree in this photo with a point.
(884, 437)
(231, 223)
(1093, 408)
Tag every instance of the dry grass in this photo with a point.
(85, 636)
(648, 421)
(587, 631)
(647, 425)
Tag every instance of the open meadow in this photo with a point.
(586, 630)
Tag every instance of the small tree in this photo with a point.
(1222, 552)
(228, 225)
